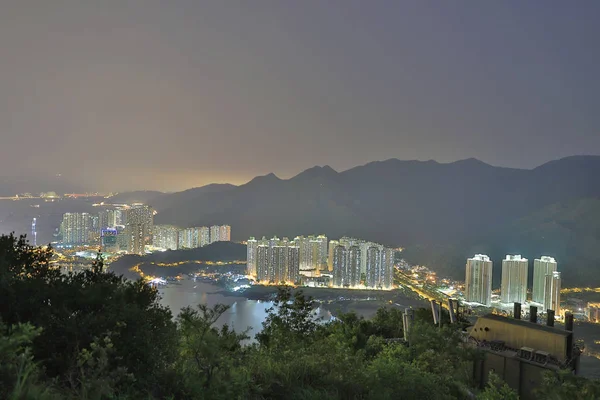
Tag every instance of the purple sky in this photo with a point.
(155, 94)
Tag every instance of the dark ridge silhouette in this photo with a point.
(218, 251)
(416, 204)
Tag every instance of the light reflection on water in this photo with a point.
(242, 314)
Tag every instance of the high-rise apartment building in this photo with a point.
(332, 245)
(514, 279)
(346, 266)
(319, 253)
(215, 231)
(313, 254)
(140, 221)
(108, 218)
(552, 295)
(224, 233)
(276, 260)
(340, 258)
(76, 228)
(263, 260)
(353, 266)
(188, 238)
(204, 236)
(379, 267)
(373, 266)
(293, 263)
(542, 267)
(108, 237)
(305, 250)
(166, 237)
(478, 282)
(251, 249)
(386, 272)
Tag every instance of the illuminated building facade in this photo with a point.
(332, 245)
(220, 233)
(346, 266)
(166, 237)
(108, 218)
(214, 233)
(340, 258)
(478, 282)
(251, 250)
(224, 233)
(76, 228)
(139, 227)
(514, 279)
(552, 295)
(108, 238)
(313, 254)
(276, 260)
(542, 267)
(204, 236)
(379, 267)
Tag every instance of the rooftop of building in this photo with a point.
(546, 259)
(480, 257)
(523, 323)
(514, 257)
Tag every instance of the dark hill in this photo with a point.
(426, 205)
(218, 251)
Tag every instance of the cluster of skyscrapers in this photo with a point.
(131, 228)
(513, 289)
(351, 263)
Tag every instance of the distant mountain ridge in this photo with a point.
(422, 204)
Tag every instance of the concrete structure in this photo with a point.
(220, 233)
(108, 237)
(313, 254)
(276, 261)
(552, 295)
(139, 227)
(204, 236)
(379, 267)
(541, 267)
(251, 249)
(166, 237)
(224, 233)
(108, 218)
(76, 228)
(332, 245)
(346, 266)
(215, 231)
(478, 282)
(514, 279)
(263, 259)
(340, 259)
(520, 352)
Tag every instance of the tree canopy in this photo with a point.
(94, 335)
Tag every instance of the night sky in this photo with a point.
(155, 94)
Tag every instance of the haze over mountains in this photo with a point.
(441, 213)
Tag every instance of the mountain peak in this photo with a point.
(316, 172)
(472, 161)
(264, 179)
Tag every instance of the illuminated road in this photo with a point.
(425, 293)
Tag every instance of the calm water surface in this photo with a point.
(243, 313)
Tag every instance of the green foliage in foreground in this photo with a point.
(93, 335)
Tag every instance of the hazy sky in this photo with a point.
(172, 94)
